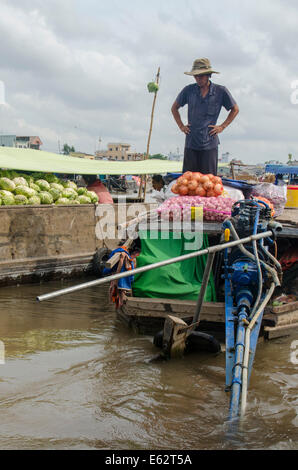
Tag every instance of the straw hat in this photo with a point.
(201, 67)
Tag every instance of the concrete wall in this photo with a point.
(45, 242)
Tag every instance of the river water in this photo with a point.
(75, 378)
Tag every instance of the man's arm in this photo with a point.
(177, 117)
(231, 116)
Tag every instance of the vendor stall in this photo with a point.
(288, 175)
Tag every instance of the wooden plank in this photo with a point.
(158, 301)
(290, 307)
(212, 308)
(173, 305)
(210, 316)
(279, 331)
(288, 318)
(174, 336)
(289, 216)
(269, 317)
(146, 304)
(134, 312)
(274, 319)
(184, 309)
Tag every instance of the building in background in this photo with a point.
(118, 152)
(273, 162)
(28, 142)
(224, 158)
(8, 140)
(25, 142)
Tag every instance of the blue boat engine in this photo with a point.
(251, 274)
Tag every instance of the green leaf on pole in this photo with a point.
(152, 87)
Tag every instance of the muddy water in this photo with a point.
(75, 378)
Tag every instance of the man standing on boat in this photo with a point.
(205, 100)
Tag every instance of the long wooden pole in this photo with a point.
(149, 137)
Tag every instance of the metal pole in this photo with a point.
(237, 373)
(206, 251)
(247, 352)
(204, 285)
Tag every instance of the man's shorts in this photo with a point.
(204, 161)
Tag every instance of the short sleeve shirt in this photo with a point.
(103, 194)
(203, 112)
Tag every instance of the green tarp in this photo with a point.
(38, 160)
(175, 281)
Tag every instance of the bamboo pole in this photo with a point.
(232, 170)
(149, 138)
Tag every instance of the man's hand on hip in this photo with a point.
(185, 129)
(216, 130)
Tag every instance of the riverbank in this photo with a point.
(52, 242)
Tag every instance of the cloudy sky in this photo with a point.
(76, 71)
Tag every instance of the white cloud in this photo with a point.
(76, 71)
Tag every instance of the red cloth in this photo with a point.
(103, 194)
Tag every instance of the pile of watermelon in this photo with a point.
(39, 188)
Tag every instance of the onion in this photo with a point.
(182, 180)
(175, 188)
(215, 208)
(192, 185)
(187, 175)
(183, 190)
(217, 179)
(196, 176)
(204, 179)
(218, 189)
(200, 191)
(208, 185)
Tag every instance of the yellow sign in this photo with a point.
(196, 213)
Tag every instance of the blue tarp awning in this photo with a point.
(282, 169)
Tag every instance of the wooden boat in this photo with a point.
(147, 316)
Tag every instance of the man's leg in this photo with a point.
(204, 161)
(190, 162)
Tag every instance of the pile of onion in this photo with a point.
(215, 209)
(197, 184)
